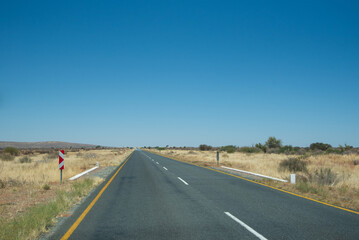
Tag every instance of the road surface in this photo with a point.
(153, 197)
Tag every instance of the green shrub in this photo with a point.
(25, 160)
(293, 165)
(249, 150)
(272, 142)
(204, 147)
(11, 150)
(345, 148)
(319, 146)
(333, 150)
(7, 157)
(296, 149)
(303, 187)
(262, 147)
(229, 148)
(46, 187)
(286, 149)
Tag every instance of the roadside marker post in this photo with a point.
(61, 163)
(292, 178)
(217, 158)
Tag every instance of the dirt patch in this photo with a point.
(15, 200)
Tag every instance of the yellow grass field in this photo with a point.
(44, 167)
(23, 185)
(344, 192)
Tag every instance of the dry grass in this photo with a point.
(345, 191)
(26, 184)
(266, 164)
(40, 217)
(31, 187)
(44, 167)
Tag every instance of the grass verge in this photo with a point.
(39, 218)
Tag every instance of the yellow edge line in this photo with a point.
(295, 194)
(82, 216)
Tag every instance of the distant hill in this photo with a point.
(28, 145)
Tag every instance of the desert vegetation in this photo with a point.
(323, 172)
(42, 167)
(30, 186)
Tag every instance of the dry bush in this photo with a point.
(293, 165)
(27, 152)
(25, 159)
(46, 187)
(324, 176)
(2, 184)
(6, 157)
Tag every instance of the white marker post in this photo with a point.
(61, 162)
(292, 178)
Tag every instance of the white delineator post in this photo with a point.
(292, 178)
(61, 162)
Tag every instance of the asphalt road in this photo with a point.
(153, 197)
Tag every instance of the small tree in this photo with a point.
(319, 146)
(272, 142)
(229, 148)
(262, 147)
(249, 149)
(345, 148)
(286, 149)
(12, 151)
(204, 147)
(25, 159)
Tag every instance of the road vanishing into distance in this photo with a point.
(153, 197)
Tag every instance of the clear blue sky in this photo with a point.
(140, 73)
